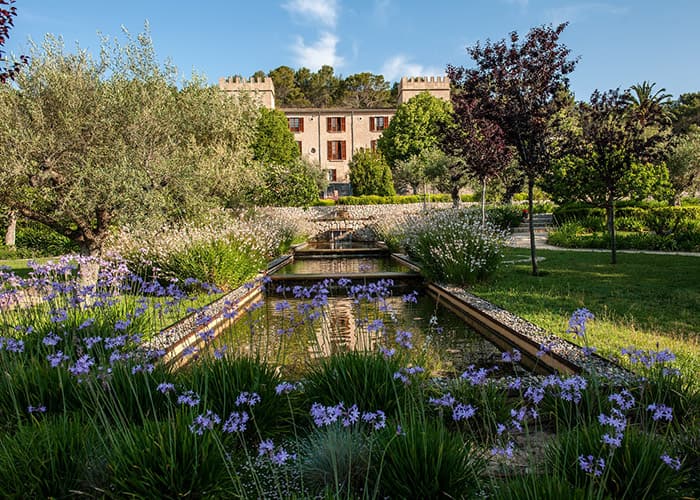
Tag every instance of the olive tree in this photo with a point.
(87, 143)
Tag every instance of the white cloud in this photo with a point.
(325, 11)
(399, 65)
(316, 55)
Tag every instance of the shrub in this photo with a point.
(49, 458)
(392, 200)
(505, 216)
(365, 379)
(537, 487)
(167, 458)
(427, 461)
(453, 245)
(42, 240)
(635, 470)
(336, 459)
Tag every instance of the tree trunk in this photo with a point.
(530, 206)
(483, 201)
(89, 263)
(610, 209)
(11, 232)
(455, 195)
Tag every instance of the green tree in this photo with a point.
(684, 163)
(365, 90)
(274, 143)
(686, 112)
(293, 184)
(414, 128)
(649, 106)
(287, 92)
(370, 174)
(89, 144)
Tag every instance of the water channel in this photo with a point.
(299, 321)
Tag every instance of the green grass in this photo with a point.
(19, 266)
(650, 301)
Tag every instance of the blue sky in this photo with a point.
(619, 42)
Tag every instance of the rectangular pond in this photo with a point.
(294, 325)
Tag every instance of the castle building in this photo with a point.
(330, 136)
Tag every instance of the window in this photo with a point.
(296, 124)
(336, 150)
(335, 124)
(299, 144)
(378, 123)
(331, 175)
(373, 145)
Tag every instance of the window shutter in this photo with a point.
(343, 148)
(386, 122)
(342, 124)
(372, 128)
(328, 124)
(301, 124)
(329, 146)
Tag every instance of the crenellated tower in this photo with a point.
(438, 86)
(262, 89)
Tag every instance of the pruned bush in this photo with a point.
(454, 246)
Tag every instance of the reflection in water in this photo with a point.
(343, 265)
(292, 332)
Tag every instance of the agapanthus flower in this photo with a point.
(403, 339)
(204, 422)
(623, 399)
(504, 451)
(247, 398)
(91, 341)
(386, 352)
(82, 366)
(219, 352)
(122, 324)
(56, 359)
(661, 412)
(614, 441)
(87, 323)
(475, 376)
(236, 422)
(14, 345)
(592, 465)
(377, 419)
(673, 463)
(36, 409)
(286, 388)
(446, 399)
(511, 357)
(165, 387)
(577, 322)
(410, 298)
(51, 339)
(350, 416)
(189, 398)
(463, 412)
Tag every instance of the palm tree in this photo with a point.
(649, 107)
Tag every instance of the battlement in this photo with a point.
(411, 86)
(263, 88)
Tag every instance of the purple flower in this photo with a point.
(207, 335)
(249, 398)
(36, 409)
(661, 412)
(351, 416)
(506, 451)
(612, 441)
(51, 339)
(572, 387)
(344, 282)
(515, 384)
(219, 352)
(286, 388)
(91, 341)
(403, 373)
(387, 353)
(86, 324)
(589, 351)
(189, 398)
(544, 349)
(279, 457)
(592, 465)
(165, 387)
(204, 422)
(14, 345)
(376, 325)
(266, 446)
(410, 298)
(58, 315)
(122, 324)
(623, 399)
(326, 415)
(377, 419)
(511, 357)
(577, 322)
(446, 400)
(236, 422)
(282, 305)
(82, 366)
(673, 463)
(113, 342)
(403, 338)
(189, 350)
(534, 394)
(616, 420)
(463, 412)
(475, 376)
(56, 359)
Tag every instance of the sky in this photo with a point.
(618, 42)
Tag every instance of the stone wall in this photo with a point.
(359, 219)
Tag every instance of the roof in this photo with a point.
(337, 110)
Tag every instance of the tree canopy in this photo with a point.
(86, 144)
(519, 85)
(274, 143)
(370, 174)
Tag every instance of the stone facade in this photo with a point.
(330, 137)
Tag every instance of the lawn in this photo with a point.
(649, 301)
